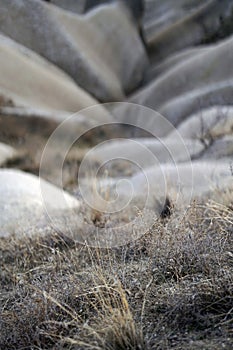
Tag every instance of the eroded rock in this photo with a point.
(71, 5)
(29, 80)
(170, 26)
(182, 182)
(105, 64)
(6, 152)
(130, 156)
(24, 209)
(169, 62)
(195, 83)
(208, 124)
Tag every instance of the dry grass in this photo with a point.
(170, 289)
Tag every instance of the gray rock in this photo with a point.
(179, 108)
(122, 156)
(172, 60)
(136, 6)
(169, 26)
(182, 182)
(195, 83)
(71, 5)
(106, 65)
(220, 148)
(208, 124)
(6, 152)
(81, 6)
(23, 209)
(26, 79)
(148, 189)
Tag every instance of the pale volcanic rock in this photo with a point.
(6, 152)
(92, 48)
(27, 79)
(22, 206)
(169, 26)
(192, 84)
(207, 124)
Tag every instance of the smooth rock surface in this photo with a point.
(6, 152)
(158, 68)
(195, 83)
(170, 26)
(106, 65)
(81, 6)
(207, 124)
(30, 80)
(220, 148)
(22, 205)
(198, 99)
(134, 155)
(182, 181)
(71, 5)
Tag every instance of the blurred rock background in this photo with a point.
(58, 57)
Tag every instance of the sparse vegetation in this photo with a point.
(172, 288)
